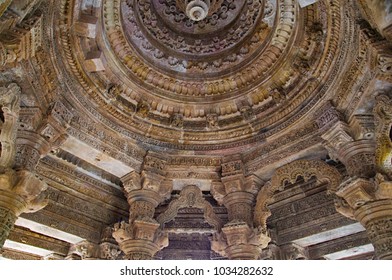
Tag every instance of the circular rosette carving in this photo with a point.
(199, 37)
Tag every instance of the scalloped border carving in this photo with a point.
(289, 174)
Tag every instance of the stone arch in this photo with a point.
(289, 173)
(191, 196)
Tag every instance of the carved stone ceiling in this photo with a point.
(246, 72)
(200, 89)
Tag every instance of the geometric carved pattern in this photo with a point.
(191, 196)
(289, 173)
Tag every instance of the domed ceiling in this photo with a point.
(188, 75)
(221, 98)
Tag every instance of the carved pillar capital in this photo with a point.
(370, 203)
(87, 250)
(142, 237)
(140, 240)
(358, 155)
(238, 238)
(293, 251)
(143, 198)
(271, 252)
(20, 192)
(238, 194)
(109, 251)
(238, 241)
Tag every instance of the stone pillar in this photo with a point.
(238, 240)
(366, 195)
(141, 238)
(20, 188)
(370, 203)
(19, 193)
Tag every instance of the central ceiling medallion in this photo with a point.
(197, 10)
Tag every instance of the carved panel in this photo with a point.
(191, 196)
(289, 173)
